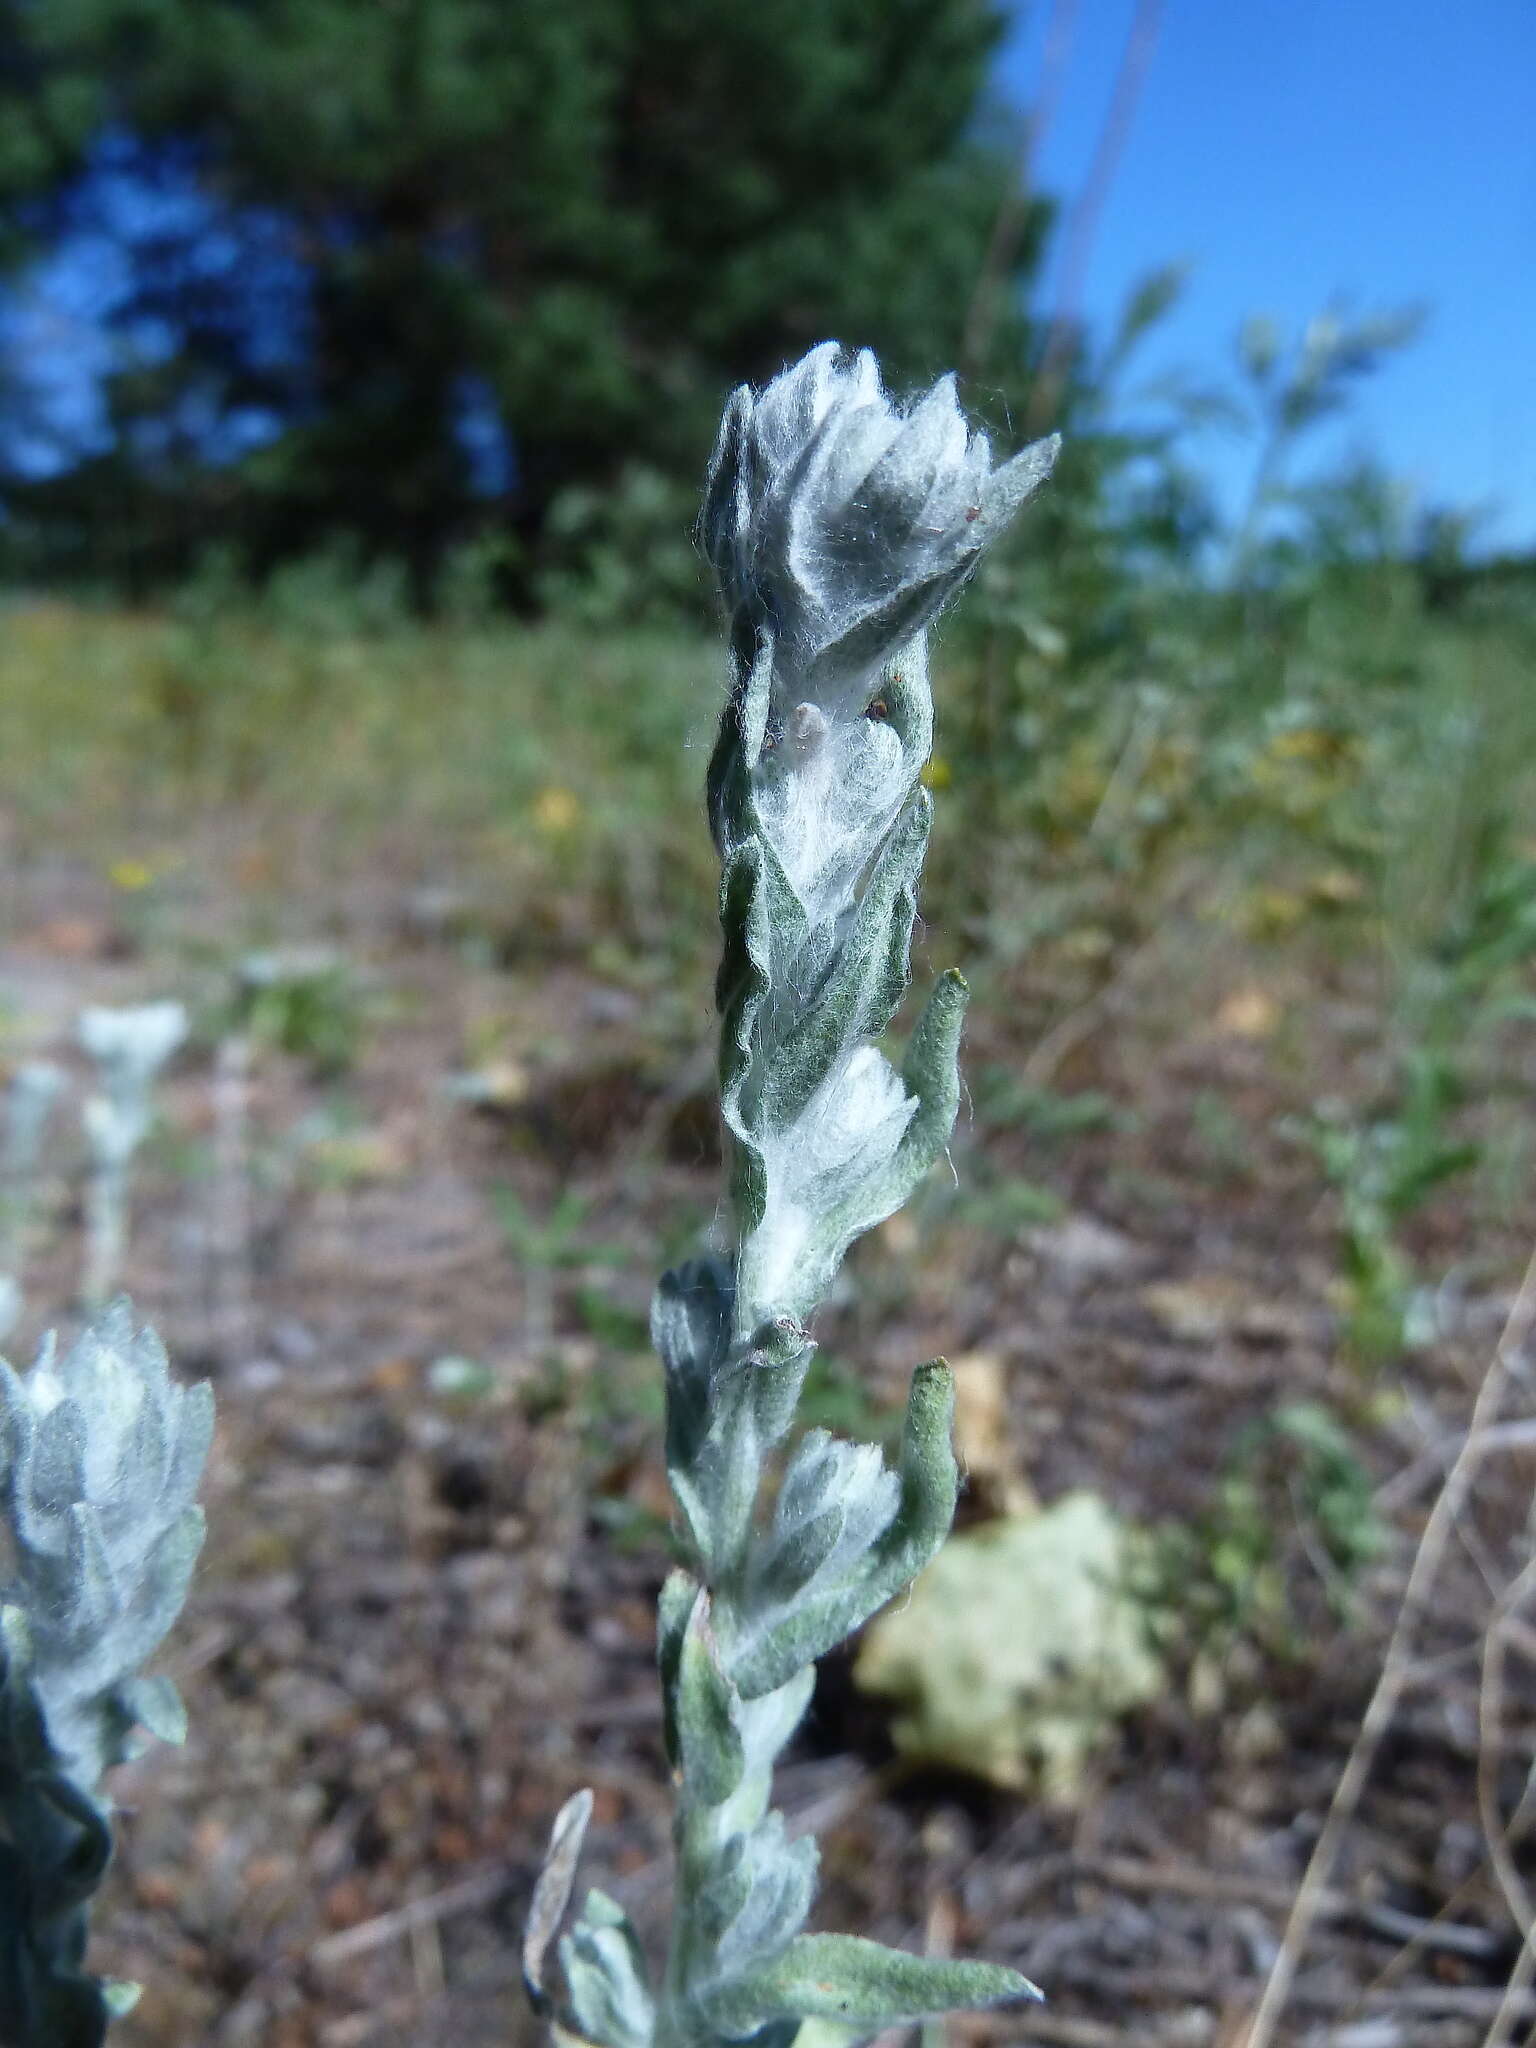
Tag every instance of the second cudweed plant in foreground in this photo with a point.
(838, 526)
(100, 1457)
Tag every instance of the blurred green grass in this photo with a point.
(1298, 815)
(539, 759)
(1340, 768)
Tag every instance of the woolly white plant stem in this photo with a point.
(838, 524)
(129, 1047)
(35, 1087)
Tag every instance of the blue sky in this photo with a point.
(1375, 153)
(1293, 153)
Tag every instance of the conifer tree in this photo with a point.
(603, 212)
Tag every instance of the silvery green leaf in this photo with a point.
(53, 1466)
(840, 1977)
(767, 945)
(834, 1502)
(707, 1713)
(606, 1977)
(858, 991)
(691, 1332)
(930, 1084)
(100, 1454)
(717, 1437)
(673, 1608)
(780, 1640)
(156, 1704)
(691, 1319)
(770, 1883)
(552, 1893)
(831, 1175)
(731, 785)
(825, 795)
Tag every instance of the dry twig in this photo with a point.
(468, 1896)
(1395, 1668)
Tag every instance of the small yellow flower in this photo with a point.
(555, 810)
(1273, 913)
(1248, 1012)
(938, 774)
(130, 874)
(1305, 743)
(1337, 889)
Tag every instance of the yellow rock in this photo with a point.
(1018, 1649)
(1249, 1012)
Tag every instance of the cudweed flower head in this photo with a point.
(136, 1039)
(838, 524)
(129, 1046)
(843, 523)
(100, 1457)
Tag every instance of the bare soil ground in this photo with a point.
(423, 1619)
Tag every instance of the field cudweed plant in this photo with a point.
(129, 1047)
(838, 525)
(100, 1457)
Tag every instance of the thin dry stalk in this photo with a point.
(232, 1291)
(1395, 1670)
(1084, 1018)
(1497, 1832)
(1087, 210)
(1515, 2005)
(471, 1895)
(1490, 1723)
(1013, 213)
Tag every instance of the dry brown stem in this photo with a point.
(1395, 1669)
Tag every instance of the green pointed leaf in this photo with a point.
(156, 1705)
(743, 726)
(777, 1882)
(931, 1072)
(708, 1725)
(867, 978)
(56, 1478)
(691, 1332)
(552, 1893)
(763, 1659)
(678, 1593)
(606, 1976)
(841, 1977)
(94, 1593)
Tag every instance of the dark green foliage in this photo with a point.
(1293, 1506)
(606, 212)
